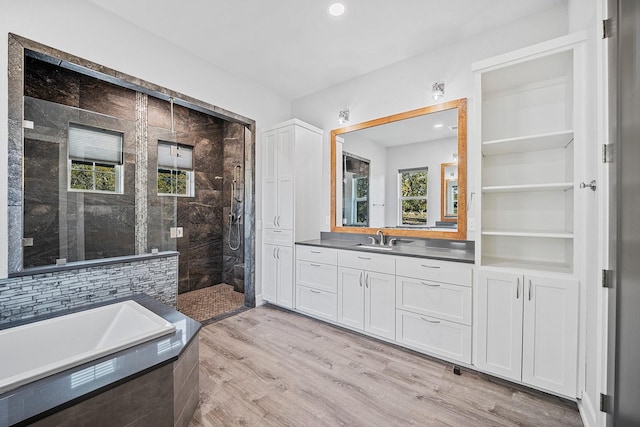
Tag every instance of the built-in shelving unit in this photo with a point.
(528, 136)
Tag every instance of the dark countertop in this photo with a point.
(446, 250)
(30, 402)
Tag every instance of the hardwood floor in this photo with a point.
(266, 366)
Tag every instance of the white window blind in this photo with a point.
(92, 144)
(174, 156)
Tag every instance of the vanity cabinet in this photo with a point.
(317, 281)
(277, 274)
(433, 306)
(366, 292)
(528, 329)
(291, 210)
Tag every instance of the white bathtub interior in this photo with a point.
(36, 350)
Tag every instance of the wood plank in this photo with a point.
(267, 366)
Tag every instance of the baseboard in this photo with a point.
(587, 411)
(259, 300)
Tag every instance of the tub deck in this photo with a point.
(43, 397)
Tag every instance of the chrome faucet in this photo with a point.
(381, 234)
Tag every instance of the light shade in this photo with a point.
(174, 156)
(93, 144)
(343, 117)
(437, 90)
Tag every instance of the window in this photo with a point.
(95, 159)
(175, 169)
(413, 197)
(360, 206)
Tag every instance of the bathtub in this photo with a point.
(37, 350)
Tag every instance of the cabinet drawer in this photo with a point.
(317, 303)
(278, 237)
(318, 276)
(441, 300)
(367, 261)
(435, 336)
(317, 254)
(439, 271)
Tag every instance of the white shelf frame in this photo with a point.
(552, 234)
(557, 186)
(525, 144)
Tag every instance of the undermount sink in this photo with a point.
(374, 247)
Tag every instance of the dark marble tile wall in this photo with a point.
(233, 235)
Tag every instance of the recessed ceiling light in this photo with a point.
(437, 125)
(336, 9)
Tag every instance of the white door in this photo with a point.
(499, 317)
(269, 273)
(380, 304)
(550, 334)
(285, 167)
(270, 183)
(351, 297)
(284, 255)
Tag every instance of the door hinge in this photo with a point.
(607, 278)
(608, 28)
(607, 153)
(605, 403)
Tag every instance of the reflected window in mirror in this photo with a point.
(449, 192)
(413, 197)
(355, 190)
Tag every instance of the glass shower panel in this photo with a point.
(79, 186)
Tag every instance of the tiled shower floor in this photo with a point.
(207, 303)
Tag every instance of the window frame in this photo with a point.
(190, 173)
(118, 167)
(402, 198)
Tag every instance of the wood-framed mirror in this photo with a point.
(388, 174)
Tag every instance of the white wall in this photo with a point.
(83, 29)
(406, 85)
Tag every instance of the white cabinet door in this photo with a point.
(351, 297)
(269, 273)
(499, 340)
(380, 304)
(285, 170)
(284, 292)
(270, 183)
(550, 334)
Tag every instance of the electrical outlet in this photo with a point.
(179, 232)
(173, 232)
(471, 224)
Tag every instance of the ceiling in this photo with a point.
(295, 47)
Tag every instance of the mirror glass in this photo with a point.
(449, 192)
(401, 172)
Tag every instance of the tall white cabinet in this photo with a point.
(528, 249)
(291, 210)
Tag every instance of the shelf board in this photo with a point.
(518, 264)
(556, 186)
(524, 144)
(555, 234)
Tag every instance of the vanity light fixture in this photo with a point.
(336, 9)
(455, 157)
(343, 117)
(437, 90)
